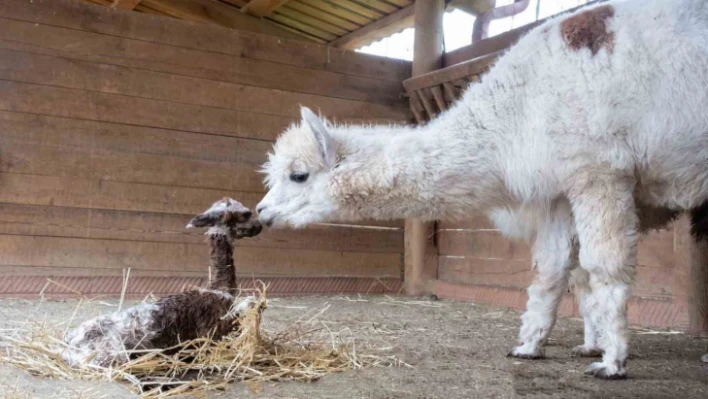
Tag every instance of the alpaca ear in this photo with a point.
(324, 139)
(205, 219)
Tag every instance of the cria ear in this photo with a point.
(205, 219)
(324, 139)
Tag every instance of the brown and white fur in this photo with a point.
(592, 124)
(109, 339)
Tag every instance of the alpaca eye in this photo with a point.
(299, 177)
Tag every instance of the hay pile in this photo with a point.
(304, 351)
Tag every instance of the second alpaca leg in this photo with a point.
(580, 283)
(606, 224)
(554, 253)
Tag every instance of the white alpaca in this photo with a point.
(592, 128)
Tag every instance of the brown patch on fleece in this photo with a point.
(589, 29)
(190, 315)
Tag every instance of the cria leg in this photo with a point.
(580, 281)
(606, 223)
(553, 257)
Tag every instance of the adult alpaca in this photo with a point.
(592, 128)
(110, 339)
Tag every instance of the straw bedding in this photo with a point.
(304, 351)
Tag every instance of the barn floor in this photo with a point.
(457, 350)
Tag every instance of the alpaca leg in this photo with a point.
(580, 280)
(554, 252)
(606, 223)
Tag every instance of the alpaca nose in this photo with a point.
(247, 216)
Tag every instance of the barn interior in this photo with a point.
(122, 119)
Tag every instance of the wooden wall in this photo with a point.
(476, 262)
(117, 127)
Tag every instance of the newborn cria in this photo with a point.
(109, 339)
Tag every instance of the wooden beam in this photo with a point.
(383, 27)
(690, 285)
(262, 8)
(420, 254)
(215, 12)
(125, 4)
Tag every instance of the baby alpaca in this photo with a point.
(109, 339)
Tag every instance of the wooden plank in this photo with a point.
(401, 3)
(439, 98)
(652, 282)
(109, 50)
(460, 71)
(218, 13)
(361, 10)
(476, 271)
(426, 103)
(301, 26)
(28, 282)
(79, 104)
(478, 221)
(98, 194)
(119, 138)
(336, 10)
(107, 165)
(307, 9)
(116, 139)
(382, 6)
(54, 221)
(24, 251)
(372, 32)
(85, 75)
(482, 244)
(657, 250)
(312, 21)
(125, 4)
(92, 18)
(450, 93)
(263, 8)
(688, 285)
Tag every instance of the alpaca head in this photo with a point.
(298, 175)
(228, 216)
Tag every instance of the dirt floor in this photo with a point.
(456, 349)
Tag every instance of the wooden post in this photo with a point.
(427, 57)
(690, 285)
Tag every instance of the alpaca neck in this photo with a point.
(221, 261)
(430, 172)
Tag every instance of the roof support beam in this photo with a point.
(421, 261)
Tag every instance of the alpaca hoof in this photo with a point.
(604, 371)
(584, 351)
(522, 353)
(704, 359)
